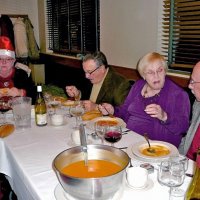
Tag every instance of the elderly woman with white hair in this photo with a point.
(155, 105)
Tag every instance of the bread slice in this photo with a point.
(91, 115)
(6, 129)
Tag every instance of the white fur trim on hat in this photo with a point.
(7, 53)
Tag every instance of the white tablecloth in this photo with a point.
(26, 157)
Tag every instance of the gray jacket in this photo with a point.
(187, 140)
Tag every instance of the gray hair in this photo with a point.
(98, 57)
(148, 59)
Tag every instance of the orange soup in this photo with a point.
(94, 169)
(158, 151)
(108, 122)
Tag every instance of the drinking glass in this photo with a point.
(4, 107)
(100, 131)
(184, 160)
(171, 174)
(113, 134)
(77, 111)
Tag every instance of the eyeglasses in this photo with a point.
(90, 73)
(6, 60)
(152, 73)
(193, 82)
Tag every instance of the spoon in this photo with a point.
(150, 149)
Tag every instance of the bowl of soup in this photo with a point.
(100, 178)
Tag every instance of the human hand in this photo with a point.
(89, 105)
(72, 91)
(155, 111)
(106, 108)
(13, 92)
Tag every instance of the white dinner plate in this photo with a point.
(134, 151)
(90, 124)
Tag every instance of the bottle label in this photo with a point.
(41, 119)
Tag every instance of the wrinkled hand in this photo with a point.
(13, 92)
(89, 105)
(155, 111)
(106, 108)
(72, 91)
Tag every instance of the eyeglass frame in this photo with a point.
(159, 71)
(6, 60)
(90, 73)
(193, 82)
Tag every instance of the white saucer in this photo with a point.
(60, 194)
(148, 186)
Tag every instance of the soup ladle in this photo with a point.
(83, 143)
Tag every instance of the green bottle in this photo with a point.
(193, 192)
(40, 108)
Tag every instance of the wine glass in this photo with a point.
(4, 107)
(113, 134)
(77, 110)
(171, 174)
(100, 131)
(53, 106)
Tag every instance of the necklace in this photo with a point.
(147, 93)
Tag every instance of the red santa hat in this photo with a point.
(6, 47)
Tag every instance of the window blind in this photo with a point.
(73, 26)
(181, 33)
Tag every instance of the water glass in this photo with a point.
(22, 112)
(171, 174)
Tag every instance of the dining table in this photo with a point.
(26, 157)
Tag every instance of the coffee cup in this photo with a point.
(137, 177)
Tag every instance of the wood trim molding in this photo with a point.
(129, 73)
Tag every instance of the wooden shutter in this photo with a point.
(181, 33)
(73, 26)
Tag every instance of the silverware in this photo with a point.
(189, 175)
(150, 149)
(126, 131)
(123, 147)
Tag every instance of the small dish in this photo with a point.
(148, 186)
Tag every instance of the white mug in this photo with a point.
(137, 177)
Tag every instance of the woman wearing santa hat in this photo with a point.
(15, 79)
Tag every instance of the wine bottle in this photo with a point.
(193, 192)
(40, 108)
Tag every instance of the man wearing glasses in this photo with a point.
(107, 85)
(191, 141)
(15, 79)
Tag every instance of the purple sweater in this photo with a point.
(172, 99)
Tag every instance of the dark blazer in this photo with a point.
(114, 90)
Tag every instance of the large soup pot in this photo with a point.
(92, 188)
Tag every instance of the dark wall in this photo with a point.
(60, 74)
